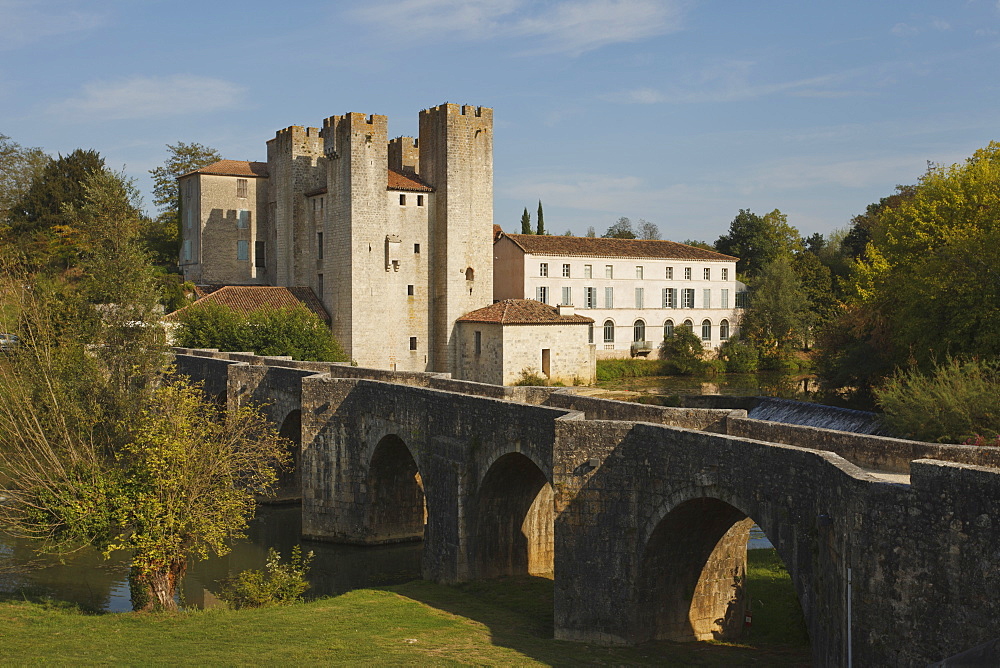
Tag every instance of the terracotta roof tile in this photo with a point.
(522, 312)
(401, 181)
(600, 247)
(233, 168)
(248, 298)
(497, 231)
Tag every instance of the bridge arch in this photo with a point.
(692, 560)
(289, 485)
(516, 515)
(397, 508)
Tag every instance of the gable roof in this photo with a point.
(406, 181)
(249, 298)
(232, 168)
(522, 312)
(600, 247)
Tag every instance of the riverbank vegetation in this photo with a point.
(499, 622)
(99, 444)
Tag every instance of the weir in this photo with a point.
(515, 481)
(808, 414)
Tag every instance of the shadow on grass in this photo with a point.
(518, 613)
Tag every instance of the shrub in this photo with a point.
(683, 353)
(296, 331)
(739, 356)
(279, 583)
(613, 369)
(957, 401)
(530, 377)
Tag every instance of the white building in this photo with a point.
(636, 290)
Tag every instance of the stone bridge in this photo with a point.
(641, 514)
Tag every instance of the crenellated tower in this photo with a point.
(293, 164)
(456, 159)
(357, 291)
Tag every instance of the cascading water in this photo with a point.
(806, 414)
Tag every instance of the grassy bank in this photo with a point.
(482, 623)
(613, 369)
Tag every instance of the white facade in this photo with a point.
(634, 301)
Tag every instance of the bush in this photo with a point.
(296, 331)
(613, 369)
(278, 584)
(957, 401)
(739, 356)
(683, 353)
(530, 377)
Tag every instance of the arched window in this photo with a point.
(609, 331)
(689, 325)
(724, 330)
(639, 331)
(470, 274)
(706, 330)
(668, 329)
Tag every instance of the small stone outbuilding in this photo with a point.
(497, 343)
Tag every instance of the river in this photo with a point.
(97, 584)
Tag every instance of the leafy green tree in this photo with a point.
(739, 356)
(928, 283)
(591, 232)
(818, 289)
(297, 332)
(163, 233)
(98, 446)
(41, 226)
(864, 225)
(541, 219)
(19, 167)
(775, 318)
(758, 240)
(698, 244)
(682, 353)
(526, 222)
(621, 229)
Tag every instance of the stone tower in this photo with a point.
(456, 159)
(292, 161)
(358, 290)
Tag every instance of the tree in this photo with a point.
(541, 219)
(568, 233)
(817, 287)
(682, 352)
(591, 233)
(163, 234)
(774, 320)
(648, 230)
(19, 167)
(99, 445)
(297, 332)
(864, 225)
(526, 222)
(698, 244)
(622, 229)
(40, 224)
(758, 240)
(928, 283)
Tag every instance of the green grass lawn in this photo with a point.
(481, 623)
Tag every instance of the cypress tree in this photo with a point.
(541, 220)
(526, 222)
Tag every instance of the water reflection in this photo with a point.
(102, 585)
(765, 383)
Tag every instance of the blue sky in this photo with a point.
(680, 112)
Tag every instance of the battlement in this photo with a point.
(451, 109)
(373, 125)
(404, 156)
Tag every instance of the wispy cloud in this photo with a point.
(24, 22)
(568, 27)
(731, 81)
(151, 97)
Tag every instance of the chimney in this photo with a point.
(565, 309)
